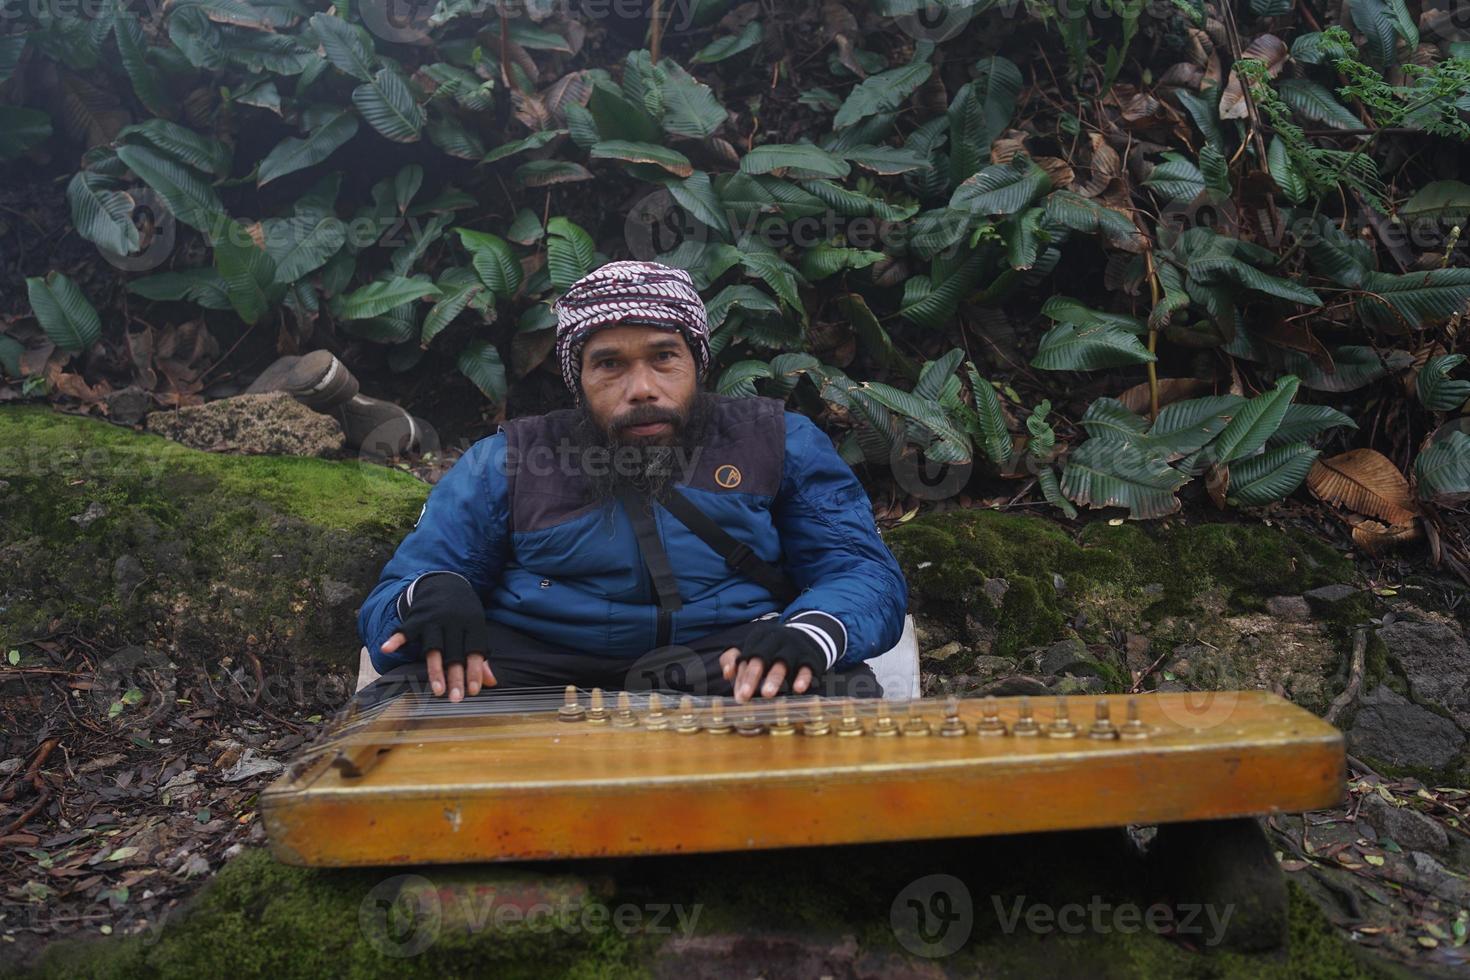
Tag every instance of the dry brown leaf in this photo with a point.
(572, 87)
(530, 110)
(1170, 390)
(1267, 48)
(1057, 169)
(1217, 483)
(1364, 481)
(1375, 538)
(1007, 145)
(1105, 166)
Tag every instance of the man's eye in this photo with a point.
(607, 363)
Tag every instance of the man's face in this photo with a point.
(638, 384)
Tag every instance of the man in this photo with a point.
(654, 537)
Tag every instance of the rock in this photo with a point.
(1203, 667)
(1079, 685)
(1289, 607)
(1405, 826)
(249, 766)
(988, 666)
(274, 424)
(127, 406)
(1016, 685)
(127, 574)
(1393, 729)
(1068, 656)
(1436, 661)
(995, 590)
(8, 766)
(946, 651)
(1138, 652)
(336, 593)
(1330, 595)
(90, 516)
(197, 864)
(1225, 864)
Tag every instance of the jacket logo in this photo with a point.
(727, 476)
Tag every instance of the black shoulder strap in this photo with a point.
(736, 554)
(654, 558)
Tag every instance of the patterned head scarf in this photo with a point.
(628, 293)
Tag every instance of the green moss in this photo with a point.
(192, 551)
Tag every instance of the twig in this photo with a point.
(655, 30)
(1355, 677)
(26, 817)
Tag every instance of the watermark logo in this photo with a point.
(933, 916)
(401, 916)
(134, 687)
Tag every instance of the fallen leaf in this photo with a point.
(1267, 48)
(1364, 481)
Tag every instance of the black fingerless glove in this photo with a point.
(773, 642)
(441, 611)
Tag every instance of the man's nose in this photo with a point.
(642, 386)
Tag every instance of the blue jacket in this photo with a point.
(510, 517)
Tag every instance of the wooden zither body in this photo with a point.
(562, 775)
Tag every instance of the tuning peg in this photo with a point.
(884, 725)
(952, 725)
(1025, 726)
(990, 723)
(688, 722)
(1102, 725)
(747, 725)
(816, 721)
(597, 714)
(1061, 724)
(571, 709)
(849, 725)
(915, 725)
(782, 725)
(717, 723)
(1133, 728)
(655, 720)
(623, 717)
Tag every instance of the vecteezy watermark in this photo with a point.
(932, 916)
(1204, 921)
(405, 915)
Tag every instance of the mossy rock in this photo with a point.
(133, 540)
(715, 915)
(1123, 576)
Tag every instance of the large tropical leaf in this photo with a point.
(1091, 217)
(480, 362)
(1437, 391)
(570, 252)
(1068, 347)
(730, 45)
(690, 108)
(1442, 470)
(183, 144)
(388, 105)
(1114, 474)
(1002, 188)
(293, 154)
(1178, 178)
(1408, 301)
(738, 380)
(882, 92)
(1303, 422)
(493, 260)
(248, 272)
(628, 151)
(1270, 476)
(69, 319)
(192, 200)
(793, 160)
(347, 46)
(1255, 421)
(381, 296)
(301, 244)
(101, 215)
(989, 421)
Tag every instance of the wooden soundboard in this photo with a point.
(419, 781)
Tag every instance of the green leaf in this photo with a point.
(628, 151)
(823, 260)
(132, 49)
(201, 285)
(738, 380)
(742, 297)
(480, 362)
(102, 216)
(248, 272)
(690, 108)
(1111, 474)
(1413, 299)
(449, 135)
(1215, 170)
(70, 321)
(570, 252)
(1068, 347)
(302, 244)
(380, 296)
(454, 298)
(1442, 471)
(934, 307)
(544, 173)
(884, 160)
(1353, 367)
(776, 273)
(1439, 200)
(1001, 188)
(802, 160)
(1437, 391)
(347, 46)
(21, 129)
(1226, 269)
(1177, 178)
(192, 200)
(1316, 103)
(293, 154)
(11, 47)
(184, 145)
(493, 260)
(1271, 476)
(1184, 427)
(388, 105)
(1293, 185)
(1068, 310)
(533, 142)
(1090, 217)
(927, 414)
(728, 47)
(1204, 109)
(1255, 422)
(1303, 422)
(872, 338)
(1375, 19)
(988, 423)
(883, 92)
(695, 195)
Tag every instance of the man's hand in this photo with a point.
(774, 652)
(447, 620)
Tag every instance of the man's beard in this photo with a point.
(649, 469)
